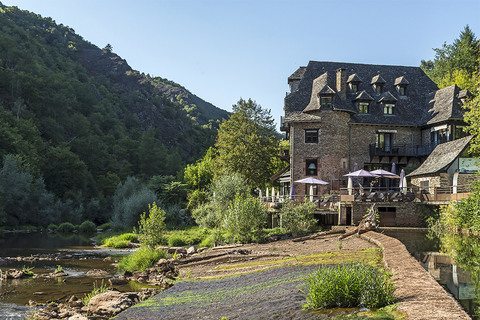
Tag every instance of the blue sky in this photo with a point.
(224, 50)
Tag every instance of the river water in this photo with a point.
(74, 253)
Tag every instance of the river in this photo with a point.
(43, 252)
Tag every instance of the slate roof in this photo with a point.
(354, 78)
(445, 105)
(378, 79)
(401, 80)
(363, 96)
(298, 116)
(442, 156)
(297, 75)
(409, 111)
(387, 97)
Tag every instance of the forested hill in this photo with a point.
(81, 119)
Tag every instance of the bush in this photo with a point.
(52, 227)
(105, 226)
(120, 241)
(207, 215)
(141, 260)
(150, 228)
(196, 198)
(87, 227)
(176, 216)
(225, 188)
(297, 217)
(176, 241)
(66, 227)
(245, 219)
(347, 286)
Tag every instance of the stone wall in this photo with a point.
(399, 214)
(331, 151)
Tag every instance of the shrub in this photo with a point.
(52, 227)
(87, 226)
(150, 228)
(350, 285)
(245, 219)
(176, 216)
(176, 240)
(207, 215)
(196, 198)
(66, 227)
(141, 260)
(298, 218)
(120, 241)
(105, 226)
(225, 188)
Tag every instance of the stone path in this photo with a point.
(421, 297)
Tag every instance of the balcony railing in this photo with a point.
(403, 150)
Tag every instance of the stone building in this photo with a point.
(338, 115)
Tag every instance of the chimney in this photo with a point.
(342, 83)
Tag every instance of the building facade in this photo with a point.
(341, 114)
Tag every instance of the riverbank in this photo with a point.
(265, 281)
(420, 296)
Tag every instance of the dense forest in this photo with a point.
(77, 125)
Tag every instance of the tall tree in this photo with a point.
(246, 143)
(457, 60)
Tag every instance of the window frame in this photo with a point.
(311, 135)
(402, 90)
(311, 172)
(353, 87)
(328, 104)
(388, 108)
(363, 107)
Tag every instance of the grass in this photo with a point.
(349, 285)
(118, 241)
(96, 290)
(370, 256)
(141, 260)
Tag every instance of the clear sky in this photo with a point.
(224, 50)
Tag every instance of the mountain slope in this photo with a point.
(80, 118)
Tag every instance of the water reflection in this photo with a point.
(452, 259)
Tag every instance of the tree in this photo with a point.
(108, 48)
(246, 143)
(462, 56)
(150, 228)
(200, 174)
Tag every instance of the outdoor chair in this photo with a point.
(372, 197)
(395, 196)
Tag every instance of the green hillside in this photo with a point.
(79, 120)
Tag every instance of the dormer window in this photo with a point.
(363, 101)
(377, 83)
(363, 107)
(401, 85)
(388, 101)
(325, 101)
(353, 82)
(353, 87)
(388, 108)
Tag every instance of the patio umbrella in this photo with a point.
(403, 182)
(360, 174)
(384, 173)
(260, 193)
(311, 193)
(350, 186)
(266, 195)
(273, 194)
(355, 167)
(311, 180)
(292, 193)
(394, 168)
